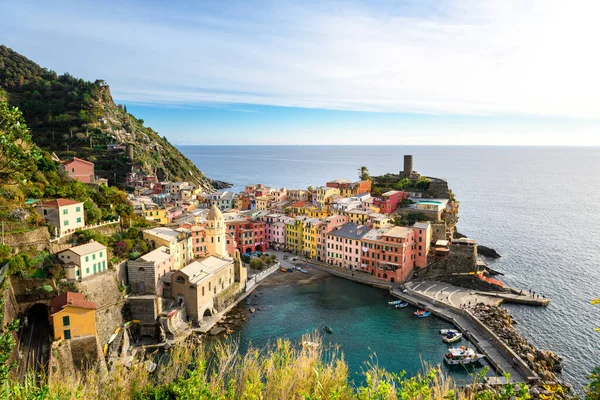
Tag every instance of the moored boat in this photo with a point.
(447, 331)
(462, 356)
(393, 303)
(452, 337)
(303, 271)
(327, 329)
(282, 269)
(422, 313)
(401, 305)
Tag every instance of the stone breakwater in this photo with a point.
(545, 363)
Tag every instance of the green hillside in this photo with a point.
(74, 117)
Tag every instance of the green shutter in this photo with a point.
(66, 321)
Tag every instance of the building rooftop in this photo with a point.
(60, 203)
(203, 268)
(374, 234)
(390, 193)
(398, 232)
(156, 256)
(421, 225)
(350, 230)
(87, 248)
(75, 159)
(163, 233)
(70, 299)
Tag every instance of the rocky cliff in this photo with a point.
(76, 118)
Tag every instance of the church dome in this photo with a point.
(214, 214)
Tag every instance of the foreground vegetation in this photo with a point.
(280, 371)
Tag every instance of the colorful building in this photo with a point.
(249, 234)
(78, 169)
(263, 203)
(64, 215)
(294, 234)
(389, 201)
(145, 273)
(72, 316)
(349, 189)
(178, 241)
(328, 224)
(309, 237)
(80, 262)
(298, 195)
(322, 193)
(344, 245)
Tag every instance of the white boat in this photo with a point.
(462, 356)
(452, 337)
(447, 331)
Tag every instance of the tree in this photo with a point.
(125, 108)
(257, 263)
(592, 391)
(363, 173)
(17, 152)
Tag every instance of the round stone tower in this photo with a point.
(408, 165)
(216, 243)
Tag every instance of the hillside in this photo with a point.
(74, 117)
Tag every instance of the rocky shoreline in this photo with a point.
(545, 363)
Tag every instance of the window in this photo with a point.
(67, 334)
(66, 222)
(87, 270)
(94, 267)
(93, 256)
(76, 272)
(65, 211)
(78, 220)
(78, 209)
(87, 258)
(66, 321)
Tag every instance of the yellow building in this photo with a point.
(178, 241)
(323, 193)
(73, 316)
(316, 212)
(158, 215)
(263, 203)
(358, 216)
(294, 231)
(309, 237)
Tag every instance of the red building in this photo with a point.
(80, 170)
(389, 201)
(249, 235)
(393, 254)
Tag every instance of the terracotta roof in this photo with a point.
(70, 299)
(60, 203)
(65, 162)
(300, 203)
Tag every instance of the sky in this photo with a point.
(505, 72)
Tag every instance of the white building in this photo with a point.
(64, 215)
(83, 261)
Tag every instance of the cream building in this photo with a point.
(216, 242)
(205, 286)
(178, 241)
(83, 261)
(64, 215)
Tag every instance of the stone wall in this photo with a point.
(75, 356)
(111, 312)
(10, 311)
(438, 189)
(145, 308)
(35, 239)
(438, 231)
(460, 259)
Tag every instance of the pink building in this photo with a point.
(80, 170)
(423, 236)
(328, 225)
(198, 235)
(389, 201)
(275, 229)
(344, 245)
(280, 195)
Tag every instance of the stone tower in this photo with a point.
(216, 243)
(240, 270)
(408, 165)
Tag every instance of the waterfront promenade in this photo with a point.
(499, 355)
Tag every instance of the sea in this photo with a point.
(537, 206)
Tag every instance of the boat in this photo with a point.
(282, 269)
(393, 303)
(327, 329)
(422, 313)
(452, 337)
(297, 268)
(401, 305)
(447, 331)
(462, 356)
(290, 270)
(303, 271)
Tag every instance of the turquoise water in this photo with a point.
(363, 325)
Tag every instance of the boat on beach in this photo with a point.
(462, 356)
(452, 337)
(401, 305)
(393, 303)
(422, 313)
(303, 271)
(282, 269)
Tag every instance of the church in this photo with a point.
(208, 285)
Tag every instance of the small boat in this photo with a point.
(283, 269)
(452, 337)
(422, 313)
(393, 303)
(303, 271)
(401, 305)
(447, 331)
(462, 356)
(290, 270)
(297, 268)
(327, 329)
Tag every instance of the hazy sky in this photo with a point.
(332, 72)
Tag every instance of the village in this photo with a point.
(203, 253)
